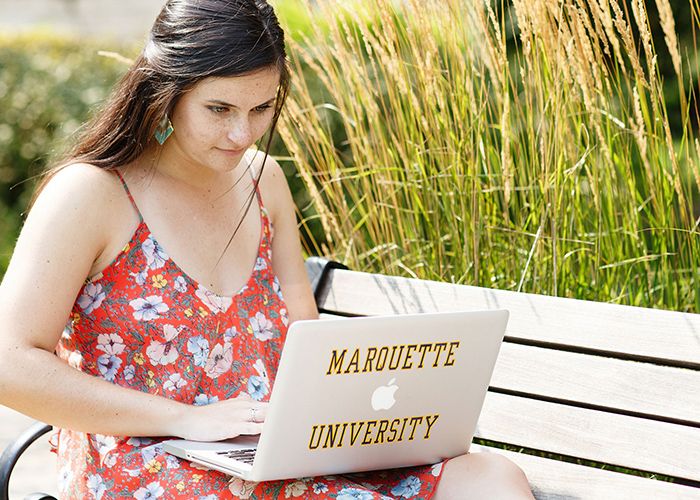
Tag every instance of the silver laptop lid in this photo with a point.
(377, 392)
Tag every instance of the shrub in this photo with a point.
(48, 83)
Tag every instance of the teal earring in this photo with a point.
(164, 130)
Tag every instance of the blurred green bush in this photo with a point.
(48, 84)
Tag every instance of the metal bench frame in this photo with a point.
(11, 454)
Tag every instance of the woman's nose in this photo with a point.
(239, 133)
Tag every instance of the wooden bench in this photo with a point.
(575, 381)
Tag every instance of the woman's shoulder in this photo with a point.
(273, 182)
(84, 180)
(272, 168)
(87, 191)
(69, 218)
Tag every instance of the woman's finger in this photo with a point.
(257, 412)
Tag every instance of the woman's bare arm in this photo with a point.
(62, 237)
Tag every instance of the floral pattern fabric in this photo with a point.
(144, 324)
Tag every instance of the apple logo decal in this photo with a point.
(383, 396)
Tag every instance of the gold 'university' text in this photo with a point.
(368, 432)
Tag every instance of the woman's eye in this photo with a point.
(217, 109)
(263, 108)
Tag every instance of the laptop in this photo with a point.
(359, 394)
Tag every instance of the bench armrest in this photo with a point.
(12, 453)
(318, 268)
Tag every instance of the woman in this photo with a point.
(134, 267)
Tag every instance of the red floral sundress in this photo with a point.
(144, 324)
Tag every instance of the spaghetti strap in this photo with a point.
(257, 188)
(128, 193)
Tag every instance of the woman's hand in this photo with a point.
(221, 420)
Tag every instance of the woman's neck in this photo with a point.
(196, 180)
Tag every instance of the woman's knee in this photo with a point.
(477, 474)
(494, 465)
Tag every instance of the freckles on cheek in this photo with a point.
(185, 136)
(193, 132)
(194, 123)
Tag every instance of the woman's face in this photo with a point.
(220, 118)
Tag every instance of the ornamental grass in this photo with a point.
(523, 146)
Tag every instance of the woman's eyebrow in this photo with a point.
(229, 105)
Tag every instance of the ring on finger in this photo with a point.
(253, 414)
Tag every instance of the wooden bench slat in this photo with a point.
(615, 329)
(662, 391)
(554, 480)
(634, 443)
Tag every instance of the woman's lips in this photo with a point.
(232, 152)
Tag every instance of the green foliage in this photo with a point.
(538, 160)
(48, 84)
(294, 17)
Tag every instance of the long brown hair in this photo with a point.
(190, 40)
